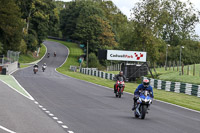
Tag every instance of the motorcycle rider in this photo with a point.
(48, 54)
(44, 66)
(54, 53)
(36, 65)
(144, 86)
(117, 77)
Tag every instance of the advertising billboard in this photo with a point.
(126, 55)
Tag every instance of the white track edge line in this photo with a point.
(5, 129)
(15, 89)
(22, 88)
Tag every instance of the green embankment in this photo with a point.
(24, 59)
(184, 100)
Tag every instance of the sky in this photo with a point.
(126, 5)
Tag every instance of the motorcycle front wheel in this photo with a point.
(144, 110)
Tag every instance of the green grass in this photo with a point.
(173, 75)
(30, 58)
(23, 65)
(9, 80)
(184, 100)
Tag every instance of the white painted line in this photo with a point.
(60, 122)
(5, 129)
(55, 118)
(47, 112)
(40, 106)
(15, 89)
(70, 132)
(36, 102)
(64, 126)
(29, 96)
(44, 109)
(51, 114)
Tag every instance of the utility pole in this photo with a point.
(87, 54)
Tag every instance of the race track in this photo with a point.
(88, 108)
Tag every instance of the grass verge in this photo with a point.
(9, 80)
(28, 58)
(184, 100)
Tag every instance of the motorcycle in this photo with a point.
(35, 70)
(120, 87)
(143, 103)
(54, 54)
(43, 68)
(48, 55)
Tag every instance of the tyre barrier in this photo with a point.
(97, 73)
(178, 87)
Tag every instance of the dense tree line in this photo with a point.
(153, 25)
(24, 24)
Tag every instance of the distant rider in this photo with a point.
(117, 77)
(54, 53)
(48, 54)
(36, 65)
(144, 86)
(44, 65)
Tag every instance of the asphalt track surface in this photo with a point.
(88, 108)
(21, 115)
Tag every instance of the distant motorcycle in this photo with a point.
(35, 70)
(43, 68)
(48, 55)
(120, 87)
(143, 103)
(54, 54)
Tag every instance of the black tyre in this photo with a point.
(119, 95)
(143, 112)
(136, 116)
(116, 94)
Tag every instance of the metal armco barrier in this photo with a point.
(178, 87)
(97, 73)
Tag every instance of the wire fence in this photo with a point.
(12, 56)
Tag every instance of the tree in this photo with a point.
(180, 21)
(146, 20)
(10, 25)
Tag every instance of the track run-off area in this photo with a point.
(64, 104)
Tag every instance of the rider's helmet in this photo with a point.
(121, 73)
(145, 83)
(45, 64)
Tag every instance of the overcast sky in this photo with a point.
(126, 5)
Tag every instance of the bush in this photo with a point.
(23, 47)
(93, 61)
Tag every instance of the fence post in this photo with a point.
(182, 69)
(173, 65)
(188, 70)
(177, 65)
(194, 70)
